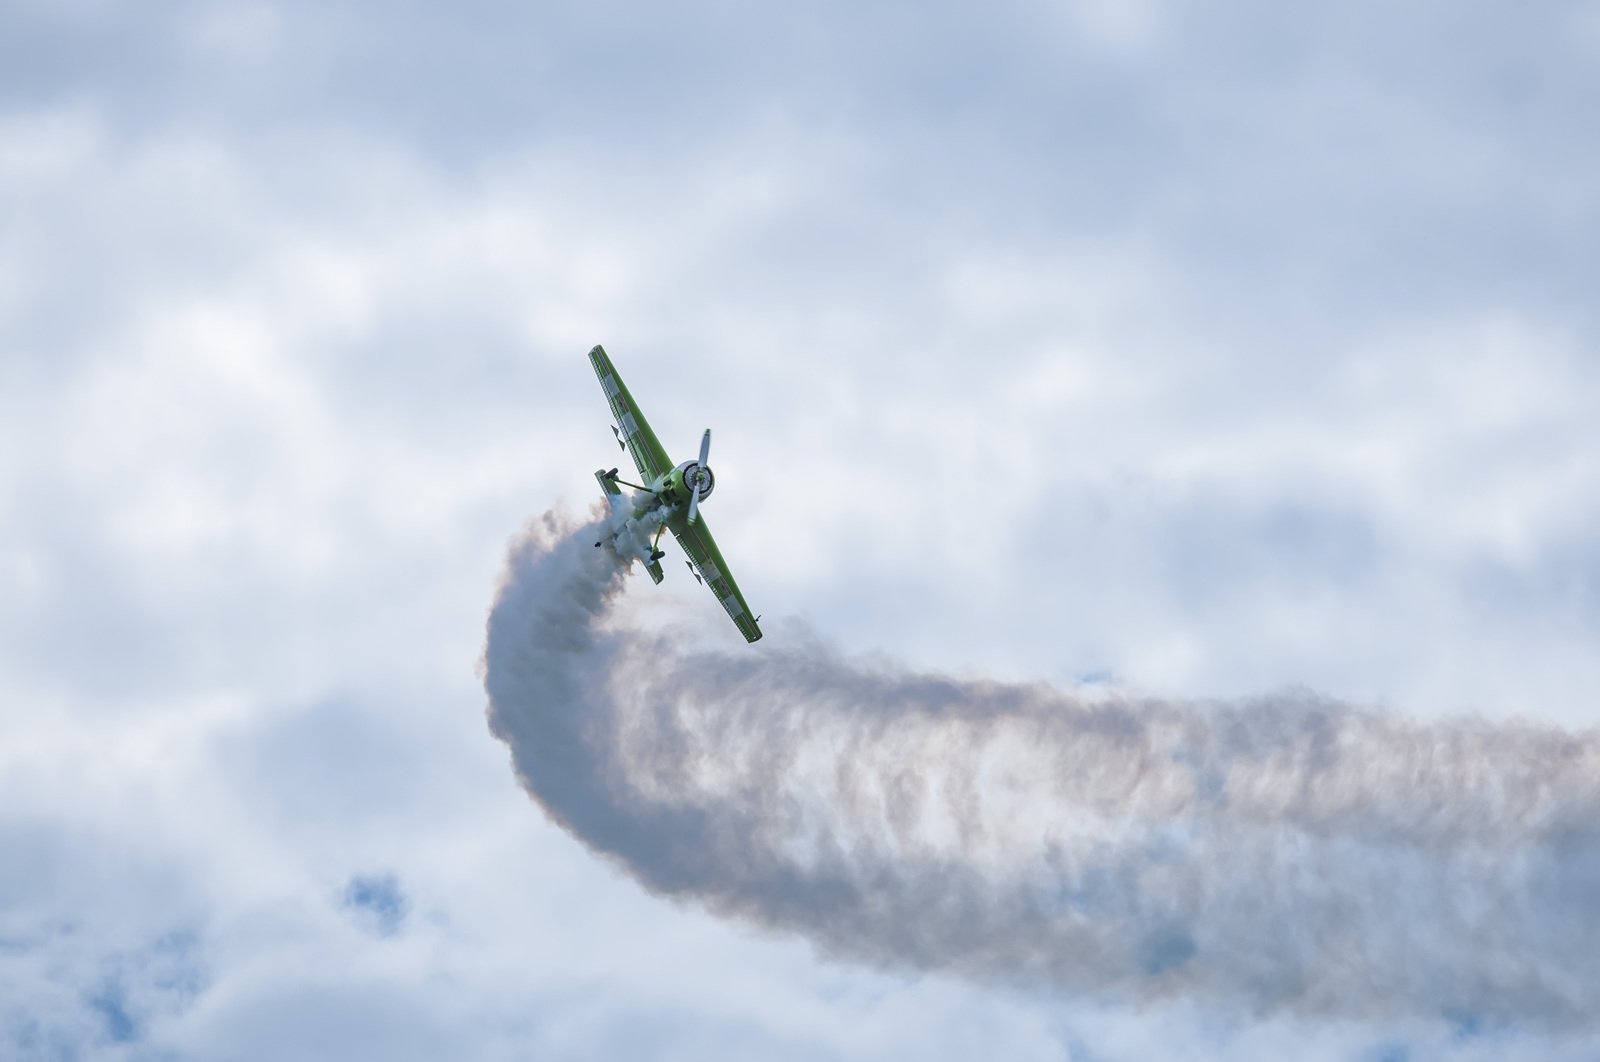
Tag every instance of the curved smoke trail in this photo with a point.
(1282, 853)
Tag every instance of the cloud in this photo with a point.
(1206, 352)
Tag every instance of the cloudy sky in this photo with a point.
(1127, 345)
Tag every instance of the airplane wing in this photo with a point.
(697, 542)
(647, 452)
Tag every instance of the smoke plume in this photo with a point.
(1285, 853)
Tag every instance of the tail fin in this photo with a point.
(614, 496)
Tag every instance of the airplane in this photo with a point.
(668, 498)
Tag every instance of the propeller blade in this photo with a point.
(694, 488)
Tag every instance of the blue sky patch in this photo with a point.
(378, 899)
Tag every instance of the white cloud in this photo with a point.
(1265, 363)
(236, 32)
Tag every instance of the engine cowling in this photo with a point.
(693, 473)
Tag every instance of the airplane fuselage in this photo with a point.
(672, 492)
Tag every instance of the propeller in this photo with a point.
(699, 472)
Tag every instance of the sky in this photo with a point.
(1140, 349)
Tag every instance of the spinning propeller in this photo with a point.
(698, 477)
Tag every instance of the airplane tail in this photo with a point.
(614, 496)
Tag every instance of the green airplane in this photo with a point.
(669, 498)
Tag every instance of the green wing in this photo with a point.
(702, 549)
(646, 450)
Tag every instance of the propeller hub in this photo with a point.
(699, 479)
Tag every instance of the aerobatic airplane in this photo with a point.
(669, 497)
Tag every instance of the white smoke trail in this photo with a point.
(1286, 853)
